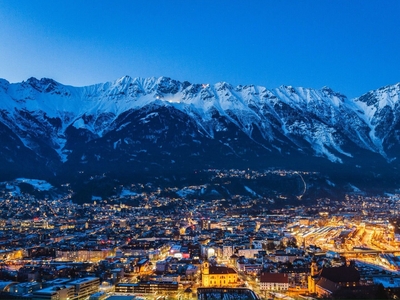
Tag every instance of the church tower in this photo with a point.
(314, 268)
(205, 274)
(313, 277)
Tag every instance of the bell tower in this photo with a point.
(206, 268)
(314, 268)
(313, 277)
(205, 274)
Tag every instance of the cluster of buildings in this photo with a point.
(56, 249)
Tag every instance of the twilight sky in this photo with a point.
(352, 46)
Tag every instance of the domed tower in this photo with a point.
(206, 268)
(314, 268)
(313, 277)
(205, 274)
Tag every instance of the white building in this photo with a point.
(274, 282)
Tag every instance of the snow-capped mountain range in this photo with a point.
(134, 125)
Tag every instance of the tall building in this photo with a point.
(227, 251)
(313, 278)
(205, 224)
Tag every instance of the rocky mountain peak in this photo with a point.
(137, 119)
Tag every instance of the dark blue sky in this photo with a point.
(351, 46)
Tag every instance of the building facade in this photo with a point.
(218, 276)
(274, 281)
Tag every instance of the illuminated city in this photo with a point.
(148, 251)
(199, 150)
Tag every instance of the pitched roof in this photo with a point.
(221, 270)
(341, 274)
(274, 277)
(327, 285)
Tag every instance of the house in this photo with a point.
(274, 281)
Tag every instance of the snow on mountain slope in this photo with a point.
(323, 121)
(380, 109)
